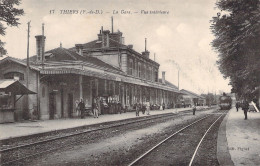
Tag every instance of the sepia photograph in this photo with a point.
(128, 83)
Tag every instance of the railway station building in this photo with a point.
(105, 68)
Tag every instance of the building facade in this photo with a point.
(104, 68)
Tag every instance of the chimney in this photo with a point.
(40, 45)
(163, 77)
(146, 53)
(42, 29)
(100, 34)
(79, 48)
(145, 45)
(105, 38)
(117, 37)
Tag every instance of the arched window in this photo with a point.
(14, 75)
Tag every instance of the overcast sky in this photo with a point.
(180, 39)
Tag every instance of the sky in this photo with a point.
(179, 39)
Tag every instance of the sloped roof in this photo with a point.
(15, 87)
(96, 44)
(2, 57)
(61, 54)
(167, 83)
(89, 68)
(191, 94)
(19, 61)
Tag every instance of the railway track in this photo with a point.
(18, 153)
(138, 160)
(19, 142)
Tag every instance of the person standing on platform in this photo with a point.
(245, 108)
(119, 107)
(99, 105)
(137, 109)
(237, 106)
(143, 108)
(163, 106)
(81, 108)
(148, 107)
(95, 108)
(194, 109)
(77, 107)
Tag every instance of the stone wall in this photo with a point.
(21, 104)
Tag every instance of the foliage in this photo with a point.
(211, 99)
(237, 38)
(8, 15)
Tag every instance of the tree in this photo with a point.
(210, 99)
(8, 15)
(237, 38)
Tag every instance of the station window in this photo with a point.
(149, 73)
(139, 70)
(131, 67)
(156, 76)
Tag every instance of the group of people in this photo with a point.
(81, 107)
(142, 107)
(111, 107)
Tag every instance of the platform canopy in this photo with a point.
(15, 87)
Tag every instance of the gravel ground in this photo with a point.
(179, 149)
(117, 146)
(114, 147)
(208, 156)
(8, 143)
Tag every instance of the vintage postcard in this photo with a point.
(111, 82)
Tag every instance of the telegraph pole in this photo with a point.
(28, 65)
(178, 79)
(26, 116)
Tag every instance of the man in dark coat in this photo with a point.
(81, 108)
(163, 106)
(237, 106)
(245, 108)
(137, 108)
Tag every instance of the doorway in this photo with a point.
(70, 105)
(52, 104)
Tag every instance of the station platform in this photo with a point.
(18, 129)
(238, 139)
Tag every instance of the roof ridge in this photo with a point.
(67, 51)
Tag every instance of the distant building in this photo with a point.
(191, 98)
